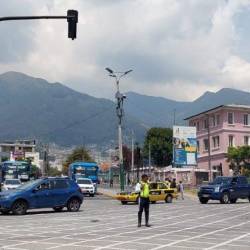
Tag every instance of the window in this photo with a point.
(231, 141)
(43, 186)
(198, 146)
(213, 121)
(216, 141)
(205, 142)
(246, 119)
(153, 185)
(60, 184)
(217, 120)
(242, 180)
(162, 186)
(206, 124)
(230, 118)
(198, 126)
(247, 140)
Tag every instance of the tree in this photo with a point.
(239, 159)
(35, 172)
(54, 172)
(78, 154)
(160, 140)
(127, 158)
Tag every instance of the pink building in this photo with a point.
(217, 129)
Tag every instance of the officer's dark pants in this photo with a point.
(143, 205)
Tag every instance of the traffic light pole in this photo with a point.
(72, 18)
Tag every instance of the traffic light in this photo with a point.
(72, 18)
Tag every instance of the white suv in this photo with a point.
(11, 184)
(87, 186)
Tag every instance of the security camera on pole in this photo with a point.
(120, 113)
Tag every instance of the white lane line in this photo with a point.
(89, 232)
(201, 235)
(180, 230)
(104, 237)
(115, 228)
(229, 241)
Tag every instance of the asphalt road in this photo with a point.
(104, 223)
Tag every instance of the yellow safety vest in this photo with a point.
(144, 191)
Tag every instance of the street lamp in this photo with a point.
(120, 113)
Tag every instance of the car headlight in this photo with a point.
(217, 189)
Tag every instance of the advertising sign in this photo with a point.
(184, 146)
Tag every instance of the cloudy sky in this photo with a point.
(177, 48)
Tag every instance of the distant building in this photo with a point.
(20, 149)
(217, 129)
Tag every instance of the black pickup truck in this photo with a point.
(225, 189)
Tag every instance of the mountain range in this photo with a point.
(51, 112)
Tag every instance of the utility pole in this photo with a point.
(132, 157)
(174, 116)
(45, 160)
(149, 158)
(210, 177)
(120, 113)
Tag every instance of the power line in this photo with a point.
(72, 124)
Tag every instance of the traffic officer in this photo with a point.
(144, 201)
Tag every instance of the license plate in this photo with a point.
(205, 195)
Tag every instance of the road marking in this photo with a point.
(229, 241)
(180, 230)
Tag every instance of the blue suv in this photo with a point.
(50, 192)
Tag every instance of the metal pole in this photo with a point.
(119, 109)
(132, 157)
(149, 159)
(209, 149)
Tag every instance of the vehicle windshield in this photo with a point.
(12, 182)
(221, 180)
(84, 182)
(82, 170)
(29, 184)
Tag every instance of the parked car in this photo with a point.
(55, 193)
(11, 184)
(225, 189)
(86, 185)
(158, 191)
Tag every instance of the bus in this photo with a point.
(84, 170)
(15, 170)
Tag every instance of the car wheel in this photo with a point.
(5, 212)
(91, 195)
(203, 200)
(124, 202)
(225, 198)
(73, 205)
(58, 209)
(19, 207)
(233, 201)
(169, 199)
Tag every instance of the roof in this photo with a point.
(237, 106)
